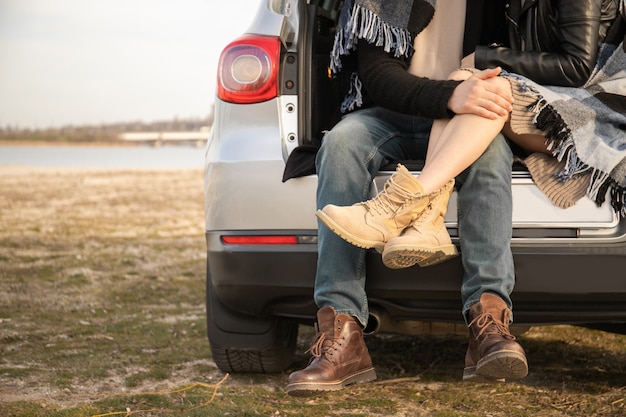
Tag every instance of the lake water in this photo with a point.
(128, 157)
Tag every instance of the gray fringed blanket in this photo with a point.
(585, 127)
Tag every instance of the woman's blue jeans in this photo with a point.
(350, 156)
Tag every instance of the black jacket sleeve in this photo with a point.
(387, 83)
(564, 54)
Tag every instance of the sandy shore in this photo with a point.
(37, 200)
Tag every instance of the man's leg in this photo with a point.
(351, 155)
(485, 228)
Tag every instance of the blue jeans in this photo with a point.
(350, 156)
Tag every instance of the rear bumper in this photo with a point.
(568, 285)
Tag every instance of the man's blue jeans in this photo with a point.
(351, 155)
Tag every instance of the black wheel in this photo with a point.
(245, 344)
(275, 358)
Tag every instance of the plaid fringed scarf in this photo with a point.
(585, 128)
(391, 25)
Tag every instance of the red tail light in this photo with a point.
(248, 70)
(260, 240)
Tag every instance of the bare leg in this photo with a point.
(454, 145)
(532, 143)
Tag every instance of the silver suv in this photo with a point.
(274, 95)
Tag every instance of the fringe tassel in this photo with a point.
(600, 183)
(548, 120)
(354, 97)
(617, 195)
(537, 106)
(361, 23)
(559, 141)
(618, 199)
(370, 27)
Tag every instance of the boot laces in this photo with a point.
(322, 345)
(488, 325)
(390, 199)
(422, 217)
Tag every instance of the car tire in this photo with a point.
(273, 359)
(247, 344)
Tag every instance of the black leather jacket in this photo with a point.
(553, 42)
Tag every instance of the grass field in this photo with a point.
(102, 313)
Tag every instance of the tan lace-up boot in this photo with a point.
(426, 242)
(340, 357)
(372, 223)
(492, 354)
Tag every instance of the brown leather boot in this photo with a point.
(340, 357)
(492, 354)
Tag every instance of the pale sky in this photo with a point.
(100, 61)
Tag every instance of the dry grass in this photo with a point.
(102, 293)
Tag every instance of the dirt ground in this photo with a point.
(102, 300)
(79, 248)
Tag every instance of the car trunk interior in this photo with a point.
(319, 93)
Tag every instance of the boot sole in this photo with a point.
(305, 389)
(407, 256)
(470, 375)
(347, 236)
(498, 366)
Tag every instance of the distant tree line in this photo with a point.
(100, 133)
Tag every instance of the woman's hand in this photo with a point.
(483, 94)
